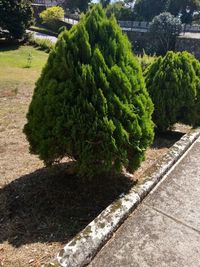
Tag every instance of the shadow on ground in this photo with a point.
(166, 139)
(6, 46)
(50, 205)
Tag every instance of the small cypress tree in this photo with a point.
(90, 102)
(172, 83)
(195, 111)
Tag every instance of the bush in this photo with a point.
(15, 17)
(165, 28)
(52, 14)
(196, 110)
(173, 84)
(90, 103)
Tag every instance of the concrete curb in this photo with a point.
(83, 247)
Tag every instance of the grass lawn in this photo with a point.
(14, 69)
(42, 29)
(41, 209)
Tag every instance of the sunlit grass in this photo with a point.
(16, 68)
(17, 57)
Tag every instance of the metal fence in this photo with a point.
(46, 2)
(134, 24)
(192, 28)
(144, 26)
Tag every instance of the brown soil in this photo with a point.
(41, 209)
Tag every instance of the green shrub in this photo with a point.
(52, 14)
(90, 103)
(173, 85)
(196, 110)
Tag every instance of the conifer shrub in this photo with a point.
(196, 110)
(173, 84)
(90, 103)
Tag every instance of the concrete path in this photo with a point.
(190, 35)
(70, 21)
(164, 231)
(38, 35)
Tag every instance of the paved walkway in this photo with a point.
(39, 35)
(191, 35)
(164, 231)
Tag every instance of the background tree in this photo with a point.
(114, 9)
(90, 103)
(15, 16)
(184, 8)
(120, 11)
(147, 9)
(165, 28)
(173, 85)
(104, 3)
(74, 5)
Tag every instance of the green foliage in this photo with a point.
(52, 14)
(165, 28)
(146, 60)
(74, 5)
(61, 29)
(147, 9)
(15, 17)
(43, 44)
(90, 103)
(104, 3)
(195, 112)
(13, 59)
(120, 11)
(184, 7)
(173, 84)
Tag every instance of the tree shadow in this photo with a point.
(51, 205)
(8, 46)
(166, 139)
